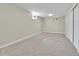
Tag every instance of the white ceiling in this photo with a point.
(57, 9)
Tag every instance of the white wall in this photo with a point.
(69, 26)
(54, 26)
(15, 23)
(76, 26)
(72, 26)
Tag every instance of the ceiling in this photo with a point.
(57, 9)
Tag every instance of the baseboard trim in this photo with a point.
(54, 32)
(19, 40)
(78, 50)
(72, 42)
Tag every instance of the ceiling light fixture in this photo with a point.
(35, 13)
(50, 14)
(34, 17)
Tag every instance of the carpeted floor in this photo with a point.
(44, 44)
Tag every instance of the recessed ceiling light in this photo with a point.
(34, 17)
(35, 13)
(50, 14)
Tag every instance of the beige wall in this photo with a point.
(54, 26)
(69, 26)
(15, 23)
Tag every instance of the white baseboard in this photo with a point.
(78, 50)
(18, 40)
(13, 42)
(54, 32)
(72, 43)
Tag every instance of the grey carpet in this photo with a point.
(44, 44)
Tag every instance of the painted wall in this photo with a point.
(76, 26)
(54, 26)
(69, 26)
(72, 26)
(15, 23)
